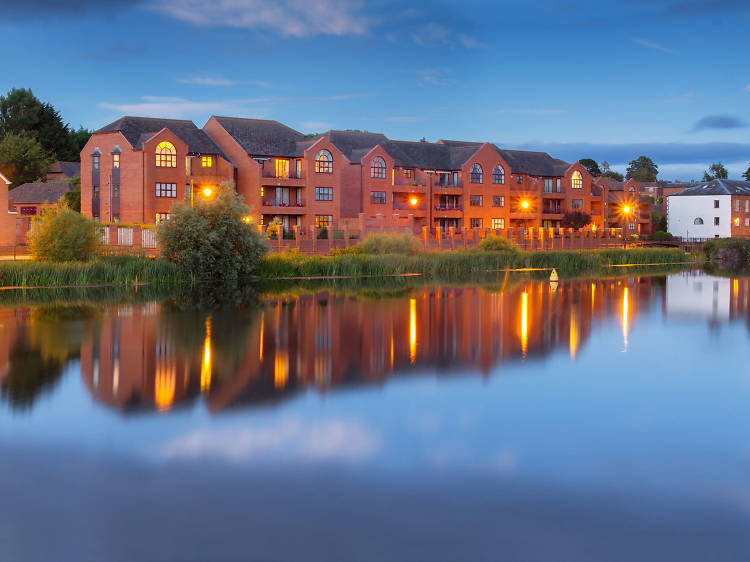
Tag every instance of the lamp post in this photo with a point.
(626, 210)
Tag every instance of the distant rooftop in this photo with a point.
(38, 192)
(716, 187)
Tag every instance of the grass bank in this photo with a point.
(447, 265)
(116, 270)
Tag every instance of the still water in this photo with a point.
(601, 419)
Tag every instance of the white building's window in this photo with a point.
(716, 203)
(716, 221)
(698, 221)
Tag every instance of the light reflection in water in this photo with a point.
(206, 365)
(625, 311)
(524, 323)
(573, 333)
(413, 330)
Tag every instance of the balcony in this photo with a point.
(271, 178)
(448, 210)
(411, 182)
(552, 211)
(406, 208)
(284, 207)
(553, 194)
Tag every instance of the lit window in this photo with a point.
(475, 223)
(476, 200)
(576, 181)
(577, 204)
(323, 221)
(161, 217)
(115, 161)
(324, 194)
(377, 197)
(498, 201)
(476, 174)
(207, 161)
(166, 155)
(498, 175)
(323, 162)
(377, 168)
(498, 223)
(115, 218)
(166, 190)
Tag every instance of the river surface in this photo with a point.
(594, 420)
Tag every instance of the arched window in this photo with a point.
(323, 162)
(576, 181)
(476, 174)
(377, 168)
(166, 155)
(698, 221)
(498, 175)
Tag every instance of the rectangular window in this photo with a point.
(408, 172)
(716, 220)
(716, 203)
(519, 179)
(262, 191)
(115, 161)
(96, 191)
(476, 200)
(548, 185)
(577, 204)
(115, 190)
(282, 168)
(736, 205)
(475, 223)
(498, 223)
(166, 190)
(28, 210)
(631, 226)
(747, 222)
(115, 218)
(323, 221)
(558, 185)
(498, 201)
(207, 161)
(161, 217)
(324, 194)
(95, 161)
(377, 197)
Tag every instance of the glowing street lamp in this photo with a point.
(413, 201)
(525, 204)
(248, 220)
(207, 192)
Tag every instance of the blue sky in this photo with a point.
(666, 78)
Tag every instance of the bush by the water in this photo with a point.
(60, 234)
(661, 236)
(404, 244)
(496, 244)
(214, 240)
(728, 250)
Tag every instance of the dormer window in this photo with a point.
(498, 175)
(576, 180)
(323, 162)
(166, 155)
(377, 168)
(476, 175)
(207, 161)
(115, 161)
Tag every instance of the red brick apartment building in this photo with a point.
(332, 179)
(627, 205)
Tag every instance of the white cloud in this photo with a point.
(175, 108)
(432, 33)
(653, 45)
(290, 18)
(434, 76)
(333, 440)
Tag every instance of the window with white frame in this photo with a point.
(378, 168)
(476, 175)
(498, 223)
(166, 189)
(475, 223)
(498, 175)
(476, 200)
(324, 194)
(166, 155)
(323, 162)
(576, 180)
(498, 201)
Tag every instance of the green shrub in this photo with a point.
(711, 248)
(660, 235)
(404, 244)
(212, 240)
(496, 244)
(61, 234)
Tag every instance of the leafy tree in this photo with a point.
(78, 139)
(715, 171)
(213, 241)
(605, 166)
(746, 175)
(72, 199)
(576, 219)
(642, 169)
(612, 174)
(591, 165)
(60, 234)
(23, 159)
(22, 111)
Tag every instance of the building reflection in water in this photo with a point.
(154, 358)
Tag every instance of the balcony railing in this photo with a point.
(407, 207)
(552, 211)
(408, 181)
(448, 183)
(449, 208)
(274, 203)
(291, 175)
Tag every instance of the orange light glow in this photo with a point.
(165, 383)
(247, 220)
(625, 310)
(736, 221)
(524, 323)
(525, 204)
(412, 330)
(207, 191)
(413, 201)
(280, 369)
(573, 334)
(206, 365)
(626, 209)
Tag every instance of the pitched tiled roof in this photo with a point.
(349, 141)
(68, 169)
(260, 137)
(38, 192)
(716, 187)
(137, 130)
(613, 184)
(533, 163)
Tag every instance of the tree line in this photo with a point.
(33, 135)
(644, 169)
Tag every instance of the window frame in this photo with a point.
(500, 198)
(576, 180)
(472, 220)
(160, 217)
(576, 204)
(328, 221)
(498, 175)
(494, 222)
(323, 162)
(207, 161)
(162, 188)
(476, 173)
(166, 155)
(378, 168)
(116, 161)
(327, 193)
(476, 200)
(374, 201)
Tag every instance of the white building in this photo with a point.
(715, 209)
